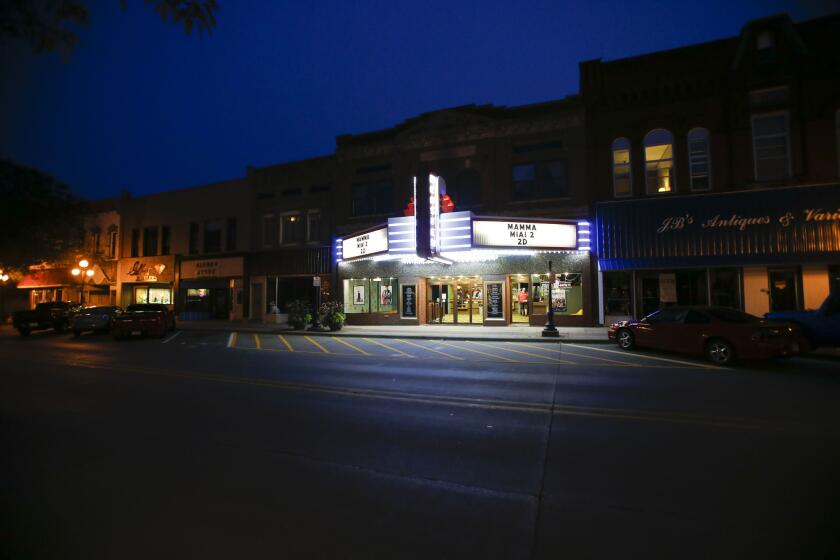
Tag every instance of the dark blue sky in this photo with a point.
(144, 107)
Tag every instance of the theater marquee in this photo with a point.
(524, 234)
(365, 244)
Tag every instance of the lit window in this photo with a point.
(771, 151)
(622, 177)
(699, 162)
(659, 161)
(291, 229)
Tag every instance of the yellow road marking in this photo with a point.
(286, 342)
(453, 356)
(353, 346)
(383, 345)
(558, 360)
(626, 364)
(706, 366)
(257, 341)
(316, 343)
(505, 358)
(232, 340)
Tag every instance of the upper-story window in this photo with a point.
(269, 230)
(213, 236)
(165, 240)
(373, 198)
(230, 235)
(135, 243)
(112, 242)
(541, 179)
(150, 241)
(765, 45)
(659, 161)
(771, 146)
(313, 226)
(291, 229)
(195, 235)
(95, 235)
(622, 177)
(699, 160)
(837, 138)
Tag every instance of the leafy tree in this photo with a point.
(47, 25)
(40, 218)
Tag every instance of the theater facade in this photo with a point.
(459, 268)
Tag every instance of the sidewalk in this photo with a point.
(472, 332)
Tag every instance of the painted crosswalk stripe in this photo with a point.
(391, 348)
(441, 352)
(232, 340)
(353, 346)
(316, 343)
(286, 342)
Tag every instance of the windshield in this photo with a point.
(732, 315)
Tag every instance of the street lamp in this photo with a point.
(3, 279)
(85, 273)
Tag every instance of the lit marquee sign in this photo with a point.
(365, 244)
(525, 234)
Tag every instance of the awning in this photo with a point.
(60, 277)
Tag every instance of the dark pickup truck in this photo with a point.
(821, 326)
(48, 315)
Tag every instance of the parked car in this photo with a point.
(143, 319)
(47, 315)
(821, 326)
(96, 319)
(719, 333)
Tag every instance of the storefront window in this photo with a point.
(366, 295)
(153, 295)
(725, 287)
(197, 299)
(566, 293)
(617, 293)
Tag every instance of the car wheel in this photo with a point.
(626, 339)
(720, 351)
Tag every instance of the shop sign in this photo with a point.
(147, 269)
(495, 301)
(524, 234)
(365, 244)
(212, 268)
(409, 303)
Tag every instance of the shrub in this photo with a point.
(332, 313)
(299, 314)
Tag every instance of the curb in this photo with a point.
(420, 336)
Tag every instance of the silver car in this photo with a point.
(97, 319)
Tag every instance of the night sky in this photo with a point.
(142, 106)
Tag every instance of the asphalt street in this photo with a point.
(235, 445)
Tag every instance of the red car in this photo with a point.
(719, 333)
(143, 319)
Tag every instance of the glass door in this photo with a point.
(784, 289)
(440, 304)
(520, 291)
(470, 303)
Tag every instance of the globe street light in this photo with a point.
(3, 279)
(85, 273)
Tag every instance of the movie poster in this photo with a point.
(359, 295)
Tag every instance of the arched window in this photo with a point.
(699, 160)
(659, 161)
(622, 177)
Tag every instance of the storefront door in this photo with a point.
(784, 289)
(460, 302)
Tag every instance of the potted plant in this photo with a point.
(332, 313)
(299, 315)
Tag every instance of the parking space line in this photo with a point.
(608, 360)
(286, 342)
(442, 353)
(232, 340)
(558, 360)
(505, 358)
(316, 343)
(681, 362)
(257, 342)
(353, 346)
(392, 349)
(171, 337)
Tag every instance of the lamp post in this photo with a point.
(550, 330)
(85, 273)
(3, 279)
